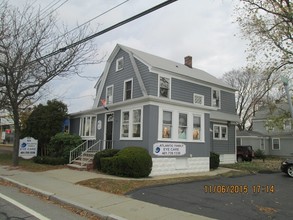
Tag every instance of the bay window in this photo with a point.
(167, 124)
(175, 125)
(87, 126)
(182, 129)
(196, 127)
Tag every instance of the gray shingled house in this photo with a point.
(274, 138)
(177, 112)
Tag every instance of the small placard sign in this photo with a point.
(28, 148)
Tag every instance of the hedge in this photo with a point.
(103, 154)
(128, 162)
(214, 160)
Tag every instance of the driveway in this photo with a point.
(259, 196)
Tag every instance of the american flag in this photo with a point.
(104, 103)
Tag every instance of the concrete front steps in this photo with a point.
(84, 162)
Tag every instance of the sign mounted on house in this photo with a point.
(169, 149)
(28, 147)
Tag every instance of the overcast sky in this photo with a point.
(203, 29)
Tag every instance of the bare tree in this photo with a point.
(268, 25)
(26, 35)
(253, 90)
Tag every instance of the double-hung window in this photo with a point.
(182, 128)
(167, 124)
(87, 126)
(128, 85)
(131, 124)
(125, 124)
(220, 132)
(196, 134)
(109, 94)
(119, 64)
(276, 144)
(164, 87)
(216, 98)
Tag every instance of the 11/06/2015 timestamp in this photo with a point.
(237, 189)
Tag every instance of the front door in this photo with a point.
(109, 131)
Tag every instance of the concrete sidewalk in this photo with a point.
(61, 185)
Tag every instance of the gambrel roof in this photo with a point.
(157, 63)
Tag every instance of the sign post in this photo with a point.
(28, 148)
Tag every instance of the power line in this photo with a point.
(52, 5)
(105, 12)
(108, 29)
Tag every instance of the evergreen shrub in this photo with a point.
(214, 160)
(128, 162)
(260, 154)
(103, 154)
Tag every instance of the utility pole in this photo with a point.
(286, 83)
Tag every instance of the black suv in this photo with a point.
(244, 153)
(287, 167)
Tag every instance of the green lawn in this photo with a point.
(269, 165)
(29, 165)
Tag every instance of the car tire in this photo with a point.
(290, 170)
(239, 159)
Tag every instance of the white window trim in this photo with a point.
(273, 143)
(214, 89)
(220, 132)
(260, 144)
(130, 131)
(175, 125)
(117, 64)
(170, 86)
(108, 101)
(124, 89)
(90, 127)
(202, 99)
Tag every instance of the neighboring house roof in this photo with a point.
(254, 134)
(266, 111)
(249, 134)
(159, 63)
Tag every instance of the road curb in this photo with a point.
(54, 197)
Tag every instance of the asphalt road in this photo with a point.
(260, 196)
(16, 205)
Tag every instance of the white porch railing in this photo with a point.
(83, 150)
(76, 152)
(96, 147)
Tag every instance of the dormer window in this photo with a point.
(119, 64)
(216, 98)
(164, 87)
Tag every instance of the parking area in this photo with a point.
(259, 196)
